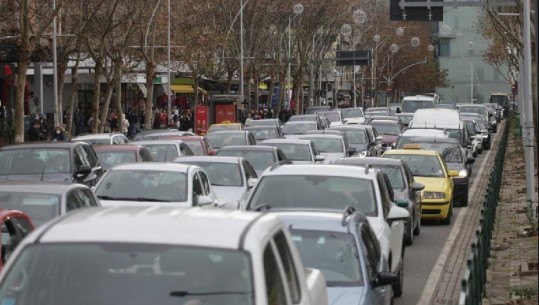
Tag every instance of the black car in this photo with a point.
(359, 138)
(72, 162)
(260, 157)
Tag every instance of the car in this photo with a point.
(200, 146)
(381, 117)
(307, 118)
(358, 138)
(225, 125)
(267, 122)
(394, 108)
(474, 108)
(410, 134)
(336, 187)
(16, 225)
(405, 190)
(297, 151)
(345, 249)
(156, 183)
(264, 132)
(445, 106)
(412, 103)
(390, 131)
(110, 155)
(231, 177)
(43, 201)
(330, 145)
(405, 118)
(156, 134)
(161, 255)
(377, 111)
(455, 158)
(429, 168)
(443, 119)
(296, 129)
(353, 116)
(103, 139)
(260, 157)
(166, 150)
(315, 109)
(475, 137)
(219, 139)
(334, 117)
(70, 162)
(483, 127)
(375, 139)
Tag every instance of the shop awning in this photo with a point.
(186, 89)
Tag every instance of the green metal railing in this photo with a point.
(473, 282)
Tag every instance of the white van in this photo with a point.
(440, 118)
(412, 103)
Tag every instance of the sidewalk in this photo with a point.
(512, 276)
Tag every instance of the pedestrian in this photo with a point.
(35, 133)
(157, 121)
(124, 125)
(78, 121)
(58, 135)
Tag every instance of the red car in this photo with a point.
(111, 155)
(198, 144)
(15, 226)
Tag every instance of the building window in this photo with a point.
(444, 47)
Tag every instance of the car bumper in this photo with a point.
(434, 209)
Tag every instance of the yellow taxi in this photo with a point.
(224, 125)
(429, 169)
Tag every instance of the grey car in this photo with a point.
(297, 151)
(359, 138)
(230, 177)
(405, 189)
(331, 145)
(260, 157)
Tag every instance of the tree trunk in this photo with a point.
(271, 89)
(148, 115)
(118, 86)
(106, 106)
(71, 102)
(62, 67)
(97, 94)
(20, 82)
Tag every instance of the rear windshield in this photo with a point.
(413, 105)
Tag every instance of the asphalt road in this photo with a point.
(419, 259)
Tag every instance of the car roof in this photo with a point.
(225, 123)
(385, 121)
(42, 145)
(228, 131)
(209, 159)
(160, 166)
(424, 132)
(285, 141)
(46, 187)
(300, 122)
(207, 227)
(411, 152)
(254, 127)
(348, 127)
(317, 170)
(321, 136)
(369, 160)
(183, 138)
(434, 140)
(156, 142)
(247, 148)
(124, 147)
(95, 136)
(317, 220)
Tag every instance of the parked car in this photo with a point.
(219, 139)
(43, 201)
(111, 155)
(358, 138)
(166, 150)
(265, 132)
(330, 145)
(297, 151)
(70, 162)
(161, 255)
(429, 169)
(260, 157)
(231, 177)
(345, 249)
(16, 225)
(103, 139)
(152, 183)
(405, 190)
(335, 187)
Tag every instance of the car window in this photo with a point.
(79, 198)
(205, 183)
(10, 239)
(384, 194)
(87, 198)
(81, 157)
(421, 165)
(281, 244)
(249, 170)
(275, 290)
(373, 253)
(197, 186)
(23, 225)
(92, 156)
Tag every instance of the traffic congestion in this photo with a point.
(319, 209)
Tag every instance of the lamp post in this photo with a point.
(360, 17)
(298, 10)
(57, 110)
(169, 102)
(470, 48)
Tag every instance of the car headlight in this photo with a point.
(463, 173)
(433, 195)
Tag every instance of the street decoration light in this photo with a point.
(298, 10)
(359, 17)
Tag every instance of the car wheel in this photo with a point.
(447, 220)
(409, 235)
(397, 287)
(417, 229)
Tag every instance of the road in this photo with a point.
(420, 258)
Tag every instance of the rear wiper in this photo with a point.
(107, 197)
(187, 293)
(145, 199)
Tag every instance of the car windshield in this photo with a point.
(196, 147)
(406, 119)
(143, 185)
(356, 136)
(40, 207)
(332, 116)
(312, 191)
(453, 134)
(421, 165)
(218, 140)
(394, 173)
(298, 128)
(450, 151)
(386, 129)
(335, 254)
(220, 174)
(327, 145)
(263, 134)
(473, 109)
(108, 159)
(126, 274)
(34, 161)
(162, 152)
(413, 105)
(294, 152)
(260, 160)
(352, 113)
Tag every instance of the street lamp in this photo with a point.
(470, 48)
(298, 10)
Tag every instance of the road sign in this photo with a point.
(353, 58)
(422, 13)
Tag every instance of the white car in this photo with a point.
(161, 255)
(103, 139)
(154, 183)
(353, 116)
(166, 150)
(336, 187)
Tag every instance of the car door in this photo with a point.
(206, 186)
(14, 228)
(78, 198)
(276, 292)
(374, 264)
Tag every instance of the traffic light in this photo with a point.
(8, 71)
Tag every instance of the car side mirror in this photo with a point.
(417, 187)
(453, 173)
(470, 160)
(319, 158)
(403, 203)
(352, 151)
(82, 172)
(379, 138)
(384, 279)
(397, 213)
(212, 152)
(251, 182)
(203, 201)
